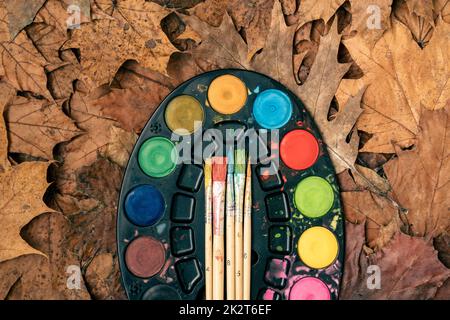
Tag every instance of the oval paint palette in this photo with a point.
(297, 225)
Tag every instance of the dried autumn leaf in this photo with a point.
(253, 18)
(30, 118)
(23, 66)
(354, 256)
(22, 188)
(409, 270)
(317, 9)
(101, 136)
(210, 11)
(318, 92)
(132, 31)
(222, 46)
(7, 93)
(400, 77)
(48, 40)
(20, 14)
(420, 177)
(377, 213)
(275, 60)
(35, 277)
(132, 107)
(370, 19)
(60, 13)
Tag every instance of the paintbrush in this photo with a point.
(229, 234)
(219, 172)
(247, 232)
(208, 229)
(239, 183)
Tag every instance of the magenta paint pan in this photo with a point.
(297, 224)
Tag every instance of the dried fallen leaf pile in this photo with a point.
(79, 79)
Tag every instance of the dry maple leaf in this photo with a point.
(20, 14)
(131, 31)
(400, 77)
(420, 177)
(23, 66)
(409, 266)
(22, 188)
(27, 119)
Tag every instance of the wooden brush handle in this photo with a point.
(218, 269)
(230, 264)
(239, 263)
(247, 256)
(208, 262)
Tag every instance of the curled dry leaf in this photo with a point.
(28, 118)
(420, 177)
(131, 31)
(400, 77)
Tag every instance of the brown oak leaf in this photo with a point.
(130, 31)
(28, 118)
(276, 61)
(420, 177)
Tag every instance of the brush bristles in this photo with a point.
(219, 168)
(239, 166)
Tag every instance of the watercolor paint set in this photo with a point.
(297, 236)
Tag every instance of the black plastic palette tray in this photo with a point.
(276, 226)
